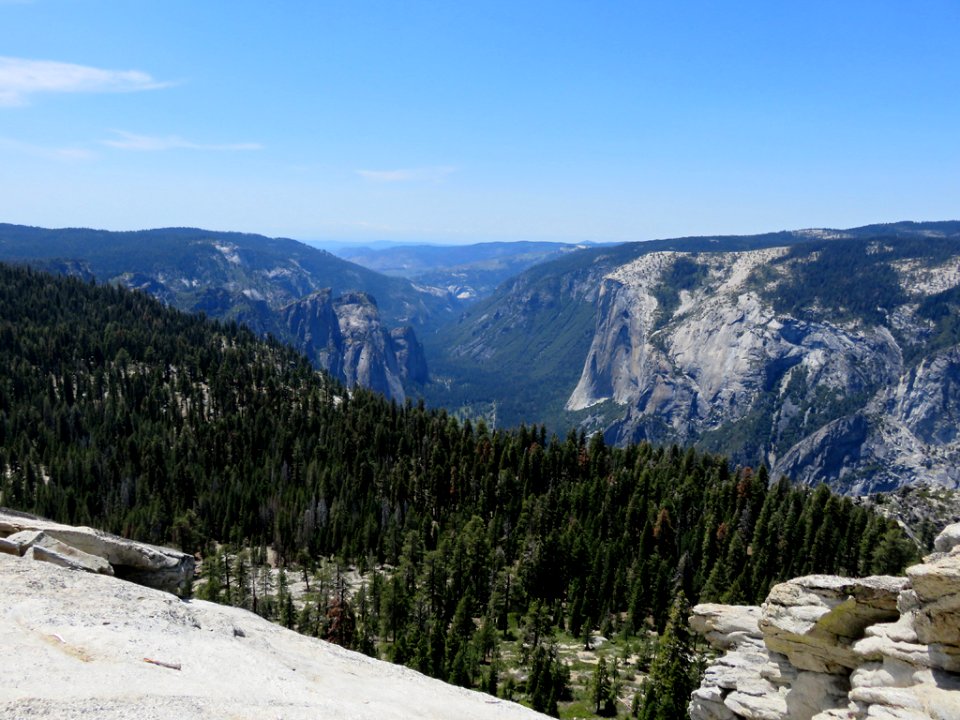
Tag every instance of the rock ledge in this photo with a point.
(83, 548)
(823, 647)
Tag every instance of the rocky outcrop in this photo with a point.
(313, 325)
(814, 620)
(369, 355)
(82, 645)
(346, 337)
(411, 359)
(824, 647)
(82, 548)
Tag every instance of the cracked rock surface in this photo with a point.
(83, 548)
(823, 647)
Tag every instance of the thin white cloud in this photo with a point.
(21, 78)
(424, 174)
(41, 151)
(148, 143)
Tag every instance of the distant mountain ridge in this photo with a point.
(470, 272)
(248, 278)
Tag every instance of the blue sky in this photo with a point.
(469, 121)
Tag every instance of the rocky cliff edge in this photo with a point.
(824, 647)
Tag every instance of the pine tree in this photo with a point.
(548, 680)
(212, 588)
(285, 601)
(460, 658)
(241, 595)
(675, 672)
(892, 554)
(602, 689)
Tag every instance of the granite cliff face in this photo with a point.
(828, 355)
(706, 347)
(313, 322)
(372, 356)
(823, 647)
(346, 337)
(411, 359)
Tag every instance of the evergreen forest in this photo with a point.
(480, 545)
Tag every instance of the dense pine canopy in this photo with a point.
(118, 412)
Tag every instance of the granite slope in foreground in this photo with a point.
(76, 646)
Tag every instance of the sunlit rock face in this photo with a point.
(94, 551)
(824, 647)
(346, 337)
(693, 348)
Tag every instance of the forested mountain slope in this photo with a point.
(259, 282)
(119, 412)
(827, 355)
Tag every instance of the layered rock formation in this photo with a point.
(823, 647)
(95, 551)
